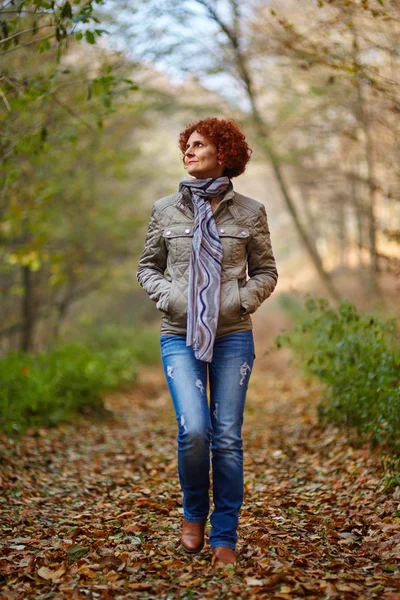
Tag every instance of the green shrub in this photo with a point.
(357, 357)
(24, 390)
(143, 345)
(70, 379)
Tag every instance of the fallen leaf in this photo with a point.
(76, 552)
(49, 575)
(254, 581)
(5, 565)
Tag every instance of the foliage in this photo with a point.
(58, 20)
(64, 147)
(30, 30)
(357, 356)
(70, 379)
(142, 344)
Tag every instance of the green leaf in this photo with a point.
(89, 35)
(43, 46)
(66, 11)
(136, 540)
(79, 36)
(76, 552)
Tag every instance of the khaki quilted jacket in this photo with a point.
(249, 272)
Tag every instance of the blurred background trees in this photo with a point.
(72, 123)
(93, 97)
(319, 83)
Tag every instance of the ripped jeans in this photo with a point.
(218, 425)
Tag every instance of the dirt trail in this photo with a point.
(94, 511)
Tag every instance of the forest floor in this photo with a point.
(93, 510)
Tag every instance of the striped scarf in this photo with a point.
(204, 288)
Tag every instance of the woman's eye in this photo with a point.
(196, 145)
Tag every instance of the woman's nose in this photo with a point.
(188, 151)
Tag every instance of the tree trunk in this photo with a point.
(342, 231)
(312, 223)
(262, 131)
(308, 243)
(371, 174)
(359, 221)
(372, 195)
(28, 313)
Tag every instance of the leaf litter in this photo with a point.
(93, 510)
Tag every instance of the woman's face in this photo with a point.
(201, 157)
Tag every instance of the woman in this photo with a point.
(199, 245)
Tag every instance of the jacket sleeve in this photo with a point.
(152, 265)
(261, 266)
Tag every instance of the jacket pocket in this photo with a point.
(170, 297)
(178, 240)
(234, 240)
(177, 302)
(230, 302)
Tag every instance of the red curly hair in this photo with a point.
(233, 150)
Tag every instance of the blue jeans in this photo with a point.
(218, 425)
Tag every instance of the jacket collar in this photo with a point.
(184, 202)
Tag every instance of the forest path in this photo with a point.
(94, 510)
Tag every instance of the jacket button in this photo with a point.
(222, 230)
(244, 233)
(187, 230)
(168, 233)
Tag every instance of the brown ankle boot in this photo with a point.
(192, 538)
(223, 556)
